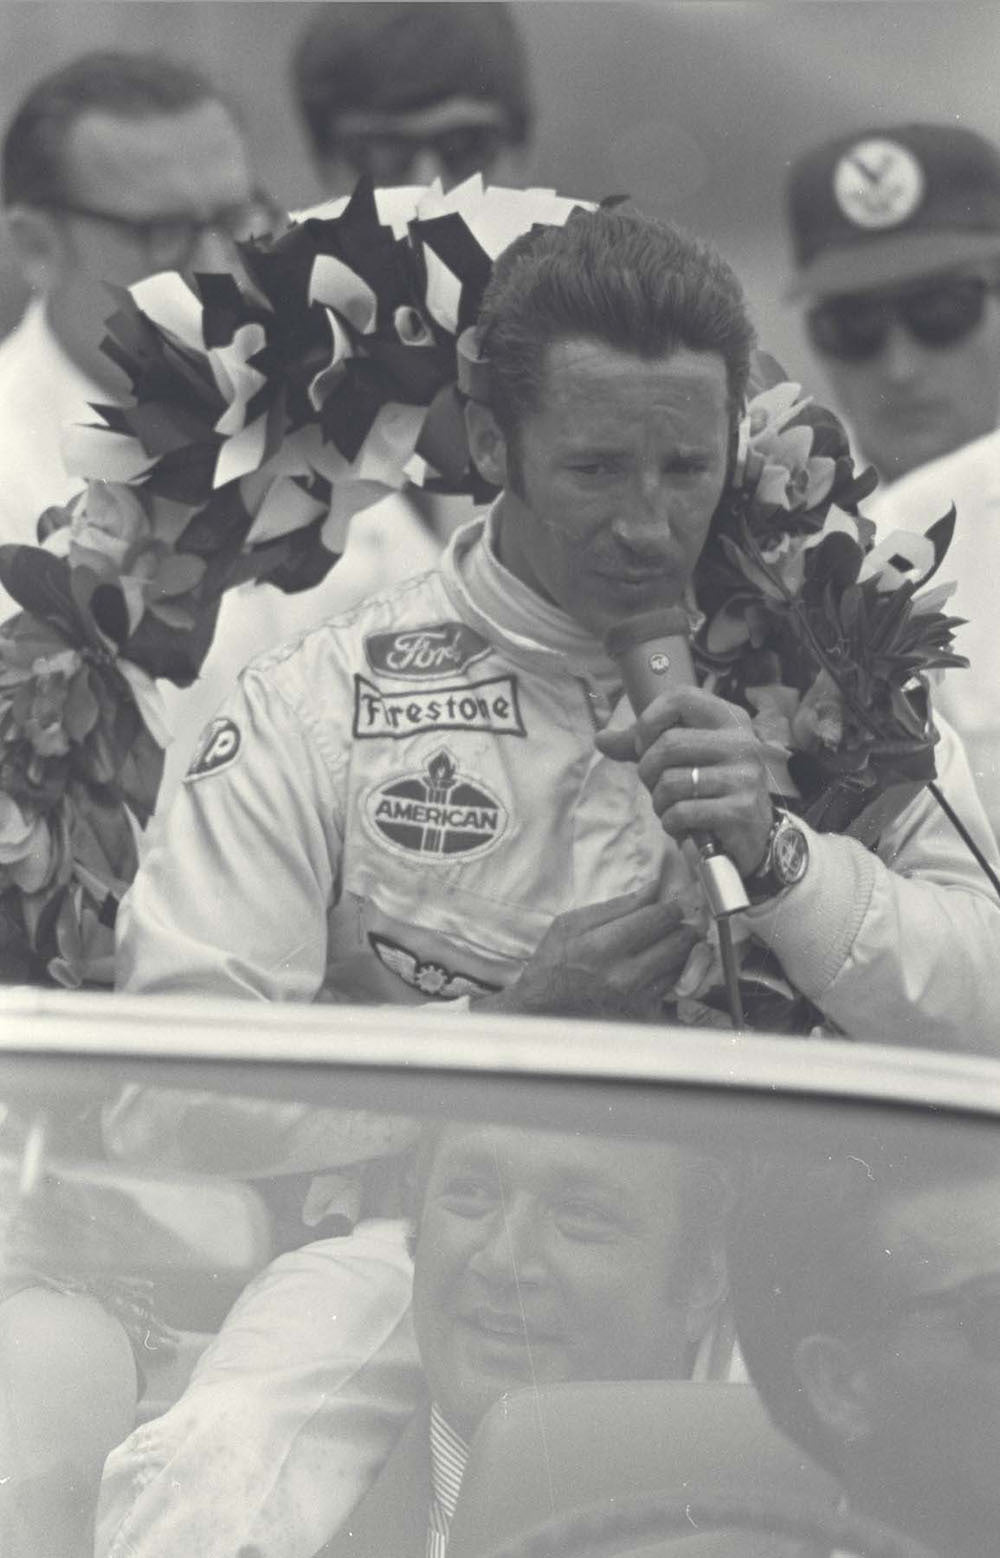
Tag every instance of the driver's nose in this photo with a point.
(642, 525)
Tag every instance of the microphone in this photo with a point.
(653, 653)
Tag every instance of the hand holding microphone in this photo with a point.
(697, 754)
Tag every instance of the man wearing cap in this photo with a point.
(896, 234)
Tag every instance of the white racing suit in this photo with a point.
(396, 806)
(394, 809)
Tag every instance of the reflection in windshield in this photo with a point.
(868, 1299)
(487, 1324)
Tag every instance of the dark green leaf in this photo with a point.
(140, 777)
(82, 708)
(40, 583)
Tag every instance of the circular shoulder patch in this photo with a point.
(218, 748)
(878, 183)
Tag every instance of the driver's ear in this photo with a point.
(487, 444)
(837, 1384)
(39, 245)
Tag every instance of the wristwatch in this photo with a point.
(785, 862)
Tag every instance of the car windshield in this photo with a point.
(302, 1289)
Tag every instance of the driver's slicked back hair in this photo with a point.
(35, 168)
(613, 276)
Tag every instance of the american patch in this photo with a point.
(413, 654)
(878, 183)
(430, 978)
(437, 812)
(491, 706)
(218, 747)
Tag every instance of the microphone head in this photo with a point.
(662, 622)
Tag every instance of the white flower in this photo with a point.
(27, 852)
(109, 522)
(775, 456)
(915, 552)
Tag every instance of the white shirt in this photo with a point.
(970, 700)
(289, 1416)
(41, 392)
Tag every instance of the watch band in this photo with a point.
(785, 862)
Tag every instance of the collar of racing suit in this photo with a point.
(532, 632)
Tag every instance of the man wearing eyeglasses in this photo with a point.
(113, 168)
(410, 92)
(896, 234)
(867, 1294)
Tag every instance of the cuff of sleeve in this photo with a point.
(812, 927)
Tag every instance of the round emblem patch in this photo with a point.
(878, 183)
(436, 813)
(218, 747)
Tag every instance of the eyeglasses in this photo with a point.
(975, 1307)
(855, 326)
(389, 155)
(170, 241)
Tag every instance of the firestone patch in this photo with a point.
(491, 706)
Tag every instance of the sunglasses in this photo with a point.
(856, 326)
(170, 241)
(388, 156)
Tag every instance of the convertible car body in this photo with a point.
(164, 1155)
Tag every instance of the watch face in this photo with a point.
(790, 855)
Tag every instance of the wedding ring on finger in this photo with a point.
(695, 776)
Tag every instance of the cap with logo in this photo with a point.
(886, 205)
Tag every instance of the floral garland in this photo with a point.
(267, 407)
(826, 639)
(328, 368)
(813, 628)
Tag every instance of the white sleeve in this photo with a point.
(288, 1418)
(232, 898)
(901, 947)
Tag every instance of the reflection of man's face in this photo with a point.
(613, 483)
(934, 1374)
(545, 1258)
